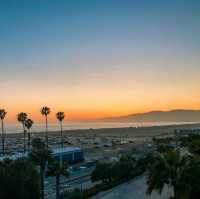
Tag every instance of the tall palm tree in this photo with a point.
(28, 125)
(40, 155)
(22, 117)
(46, 111)
(60, 116)
(172, 169)
(56, 170)
(2, 116)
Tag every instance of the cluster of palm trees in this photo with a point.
(27, 123)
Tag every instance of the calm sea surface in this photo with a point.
(16, 128)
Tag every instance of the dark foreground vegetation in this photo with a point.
(24, 178)
(19, 179)
(177, 167)
(108, 175)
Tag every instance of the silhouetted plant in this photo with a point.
(192, 142)
(172, 169)
(60, 116)
(46, 111)
(19, 179)
(28, 125)
(55, 169)
(40, 155)
(102, 172)
(21, 117)
(2, 116)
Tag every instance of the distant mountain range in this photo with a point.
(158, 116)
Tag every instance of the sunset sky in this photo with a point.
(99, 58)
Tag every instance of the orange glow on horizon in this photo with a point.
(101, 97)
(84, 115)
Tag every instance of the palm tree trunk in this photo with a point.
(176, 195)
(57, 186)
(29, 140)
(24, 138)
(42, 182)
(61, 136)
(3, 138)
(46, 135)
(61, 133)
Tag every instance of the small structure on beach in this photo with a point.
(69, 154)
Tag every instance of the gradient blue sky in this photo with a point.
(95, 58)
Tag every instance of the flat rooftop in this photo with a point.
(55, 151)
(66, 150)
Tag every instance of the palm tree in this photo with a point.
(2, 116)
(21, 117)
(172, 169)
(28, 125)
(60, 116)
(40, 155)
(55, 169)
(46, 111)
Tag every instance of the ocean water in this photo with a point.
(39, 127)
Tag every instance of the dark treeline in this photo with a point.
(39, 156)
(19, 179)
(123, 170)
(110, 174)
(24, 178)
(177, 167)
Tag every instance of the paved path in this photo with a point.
(135, 189)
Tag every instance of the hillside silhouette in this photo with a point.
(179, 115)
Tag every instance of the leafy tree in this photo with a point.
(193, 178)
(193, 143)
(120, 171)
(40, 155)
(21, 117)
(46, 111)
(124, 169)
(55, 169)
(28, 125)
(2, 117)
(102, 172)
(127, 165)
(19, 179)
(172, 169)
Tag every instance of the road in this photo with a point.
(136, 189)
